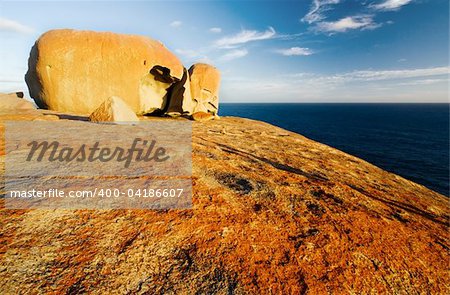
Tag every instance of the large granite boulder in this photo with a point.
(114, 109)
(75, 71)
(205, 83)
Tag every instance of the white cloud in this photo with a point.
(243, 37)
(176, 24)
(370, 75)
(364, 22)
(289, 37)
(402, 85)
(423, 82)
(7, 25)
(390, 4)
(234, 54)
(215, 30)
(373, 75)
(194, 55)
(316, 15)
(318, 7)
(295, 51)
(188, 53)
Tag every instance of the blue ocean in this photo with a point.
(411, 140)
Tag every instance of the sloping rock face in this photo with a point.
(114, 109)
(75, 71)
(205, 84)
(14, 102)
(274, 213)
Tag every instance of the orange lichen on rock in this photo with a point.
(273, 213)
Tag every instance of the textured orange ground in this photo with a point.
(274, 213)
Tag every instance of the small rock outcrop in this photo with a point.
(205, 83)
(202, 116)
(114, 109)
(74, 71)
(14, 101)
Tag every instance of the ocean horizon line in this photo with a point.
(359, 103)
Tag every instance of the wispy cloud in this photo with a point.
(390, 4)
(215, 30)
(424, 82)
(295, 51)
(234, 54)
(7, 25)
(191, 56)
(243, 37)
(316, 15)
(188, 53)
(370, 75)
(363, 22)
(176, 24)
(318, 7)
(289, 37)
(403, 85)
(232, 46)
(374, 75)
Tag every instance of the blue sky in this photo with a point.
(267, 51)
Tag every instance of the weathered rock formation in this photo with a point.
(114, 109)
(75, 71)
(13, 102)
(205, 83)
(273, 213)
(180, 102)
(202, 116)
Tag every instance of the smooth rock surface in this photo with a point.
(13, 102)
(205, 84)
(274, 212)
(75, 71)
(114, 109)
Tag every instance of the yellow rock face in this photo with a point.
(205, 83)
(75, 71)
